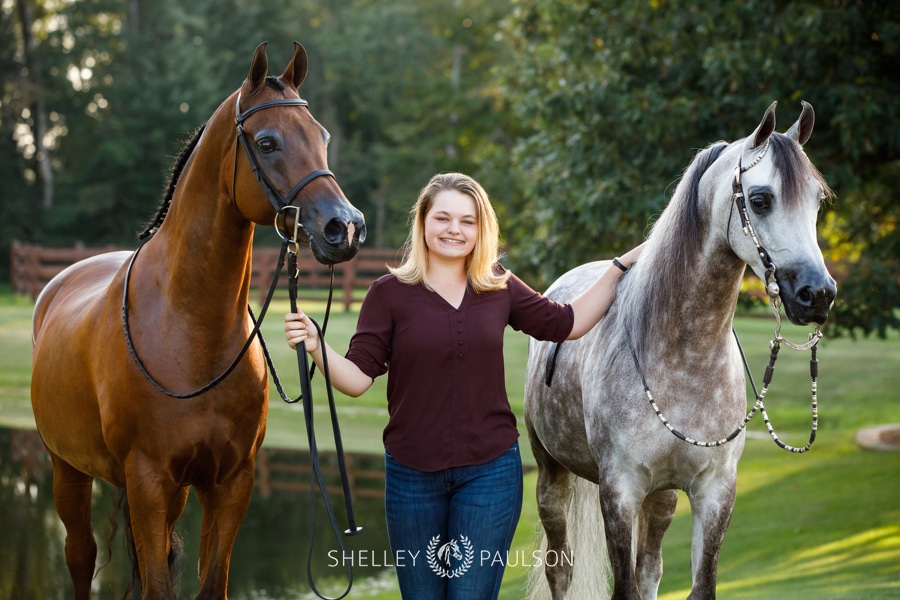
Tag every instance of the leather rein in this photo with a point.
(289, 251)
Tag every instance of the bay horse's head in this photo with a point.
(283, 147)
(776, 193)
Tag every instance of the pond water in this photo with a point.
(270, 556)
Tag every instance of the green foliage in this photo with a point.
(619, 95)
(578, 117)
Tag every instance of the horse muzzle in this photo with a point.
(334, 230)
(807, 299)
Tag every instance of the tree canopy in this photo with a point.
(578, 117)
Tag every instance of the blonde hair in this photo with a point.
(480, 263)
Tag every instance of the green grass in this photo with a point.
(821, 525)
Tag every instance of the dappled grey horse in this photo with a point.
(588, 419)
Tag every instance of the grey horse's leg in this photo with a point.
(711, 510)
(620, 508)
(656, 516)
(554, 491)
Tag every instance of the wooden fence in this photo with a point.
(33, 266)
(277, 469)
(289, 470)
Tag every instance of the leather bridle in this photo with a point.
(281, 203)
(772, 288)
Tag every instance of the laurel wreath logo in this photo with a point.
(436, 554)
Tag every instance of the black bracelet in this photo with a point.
(616, 262)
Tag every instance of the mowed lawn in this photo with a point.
(820, 525)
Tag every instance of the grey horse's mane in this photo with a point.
(650, 298)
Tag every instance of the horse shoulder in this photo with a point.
(72, 319)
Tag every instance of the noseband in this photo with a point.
(280, 203)
(772, 288)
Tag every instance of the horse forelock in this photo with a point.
(673, 244)
(794, 170)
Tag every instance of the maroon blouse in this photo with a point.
(446, 389)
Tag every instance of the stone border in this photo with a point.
(884, 438)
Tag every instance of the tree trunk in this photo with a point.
(34, 99)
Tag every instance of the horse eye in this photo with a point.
(266, 144)
(760, 202)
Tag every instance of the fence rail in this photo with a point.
(289, 470)
(34, 265)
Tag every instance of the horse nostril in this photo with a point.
(821, 297)
(333, 231)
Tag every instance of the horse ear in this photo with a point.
(258, 68)
(802, 129)
(295, 72)
(765, 128)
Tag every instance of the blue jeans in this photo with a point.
(453, 527)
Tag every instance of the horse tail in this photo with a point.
(176, 545)
(591, 575)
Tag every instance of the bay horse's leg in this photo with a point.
(152, 500)
(72, 495)
(224, 506)
(554, 491)
(711, 509)
(656, 516)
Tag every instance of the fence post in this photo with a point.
(348, 280)
(15, 258)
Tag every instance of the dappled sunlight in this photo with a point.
(819, 571)
(867, 548)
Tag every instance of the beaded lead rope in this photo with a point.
(759, 405)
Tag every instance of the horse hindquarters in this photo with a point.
(573, 548)
(74, 327)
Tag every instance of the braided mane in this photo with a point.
(177, 168)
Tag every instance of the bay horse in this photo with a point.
(590, 426)
(121, 339)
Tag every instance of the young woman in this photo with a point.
(435, 324)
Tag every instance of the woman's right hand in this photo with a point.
(300, 328)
